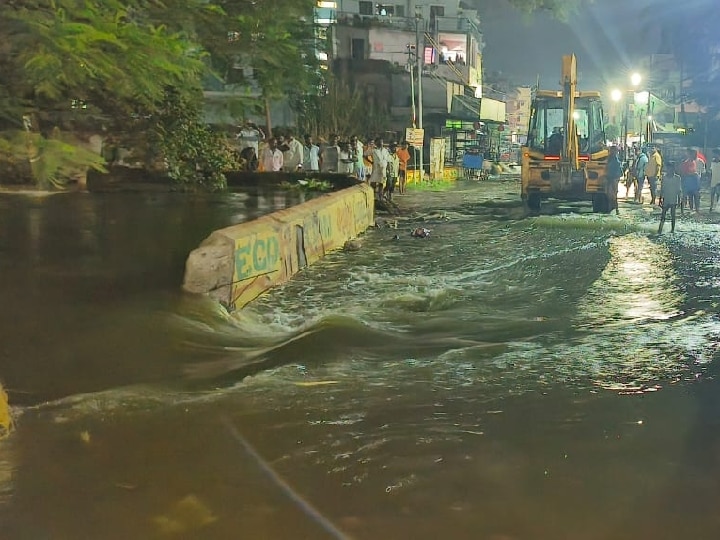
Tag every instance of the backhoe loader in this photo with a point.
(566, 155)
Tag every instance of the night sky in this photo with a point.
(608, 37)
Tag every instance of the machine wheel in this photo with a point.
(601, 203)
(534, 201)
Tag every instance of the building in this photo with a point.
(518, 113)
(375, 47)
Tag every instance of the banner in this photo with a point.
(415, 136)
(437, 158)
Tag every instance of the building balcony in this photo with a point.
(462, 24)
(356, 20)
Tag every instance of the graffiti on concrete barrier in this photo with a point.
(325, 222)
(256, 254)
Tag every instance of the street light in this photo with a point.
(635, 79)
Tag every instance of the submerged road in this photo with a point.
(508, 377)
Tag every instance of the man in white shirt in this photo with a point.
(250, 135)
(329, 155)
(345, 158)
(311, 155)
(293, 156)
(272, 157)
(380, 159)
(358, 150)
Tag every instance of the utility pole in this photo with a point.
(411, 69)
(419, 58)
(419, 54)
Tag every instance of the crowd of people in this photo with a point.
(383, 166)
(673, 184)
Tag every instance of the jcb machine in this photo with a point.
(566, 155)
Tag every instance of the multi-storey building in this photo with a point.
(518, 113)
(373, 46)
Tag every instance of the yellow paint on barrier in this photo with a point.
(413, 176)
(257, 254)
(449, 174)
(6, 421)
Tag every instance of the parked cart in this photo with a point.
(472, 164)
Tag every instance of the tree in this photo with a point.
(271, 42)
(74, 67)
(194, 154)
(338, 109)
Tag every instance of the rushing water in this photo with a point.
(506, 378)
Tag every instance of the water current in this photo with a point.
(508, 377)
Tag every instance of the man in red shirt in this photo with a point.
(404, 156)
(690, 180)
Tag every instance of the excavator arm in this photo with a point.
(570, 153)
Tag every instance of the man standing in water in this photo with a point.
(653, 171)
(690, 180)
(670, 193)
(380, 160)
(613, 175)
(404, 157)
(640, 164)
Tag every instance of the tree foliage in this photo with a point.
(77, 67)
(269, 45)
(194, 154)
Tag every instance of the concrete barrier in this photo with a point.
(237, 264)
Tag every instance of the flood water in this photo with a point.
(507, 378)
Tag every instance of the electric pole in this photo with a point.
(419, 54)
(411, 69)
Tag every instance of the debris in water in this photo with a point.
(315, 383)
(420, 232)
(85, 437)
(190, 513)
(353, 245)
